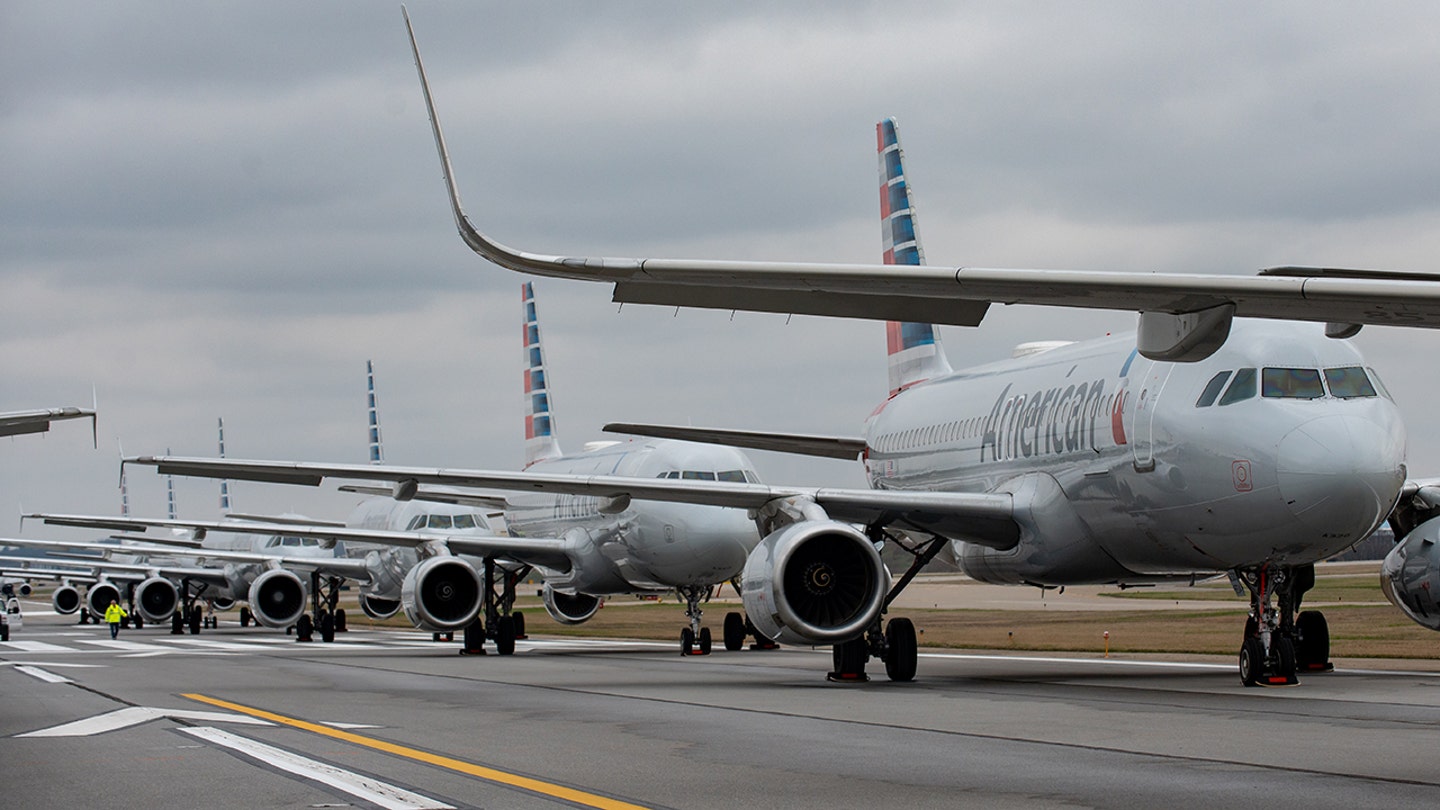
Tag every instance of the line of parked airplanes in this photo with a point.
(1201, 445)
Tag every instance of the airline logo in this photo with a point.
(539, 425)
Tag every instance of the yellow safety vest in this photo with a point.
(114, 613)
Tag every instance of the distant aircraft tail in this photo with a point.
(377, 450)
(170, 493)
(224, 482)
(124, 487)
(915, 350)
(540, 440)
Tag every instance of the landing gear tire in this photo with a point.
(245, 617)
(177, 624)
(505, 635)
(734, 631)
(327, 628)
(139, 622)
(473, 638)
(195, 618)
(1312, 644)
(901, 650)
(687, 641)
(849, 659)
(4, 632)
(1285, 660)
(704, 642)
(1252, 661)
(519, 624)
(340, 626)
(304, 628)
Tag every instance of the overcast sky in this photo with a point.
(223, 210)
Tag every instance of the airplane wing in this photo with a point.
(333, 566)
(1184, 316)
(983, 518)
(449, 496)
(536, 551)
(16, 423)
(841, 447)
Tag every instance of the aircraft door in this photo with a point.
(1146, 400)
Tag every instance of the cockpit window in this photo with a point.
(1349, 382)
(697, 475)
(1212, 390)
(465, 522)
(439, 522)
(1241, 388)
(736, 476)
(416, 523)
(1379, 384)
(1291, 383)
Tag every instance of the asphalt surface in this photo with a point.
(596, 723)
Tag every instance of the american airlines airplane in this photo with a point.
(16, 423)
(1200, 444)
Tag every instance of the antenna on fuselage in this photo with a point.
(914, 348)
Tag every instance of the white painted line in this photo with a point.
(125, 646)
(51, 664)
(48, 677)
(1119, 662)
(210, 644)
(134, 716)
(347, 726)
(363, 787)
(36, 646)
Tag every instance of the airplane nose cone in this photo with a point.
(1340, 474)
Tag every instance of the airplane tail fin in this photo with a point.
(540, 440)
(915, 350)
(377, 450)
(124, 487)
(224, 482)
(170, 492)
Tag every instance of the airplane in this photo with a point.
(1223, 436)
(16, 423)
(585, 548)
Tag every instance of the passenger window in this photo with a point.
(1291, 383)
(1241, 388)
(1212, 390)
(1349, 382)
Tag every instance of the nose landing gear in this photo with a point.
(1278, 644)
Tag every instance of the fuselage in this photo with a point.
(641, 545)
(1282, 447)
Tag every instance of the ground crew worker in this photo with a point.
(113, 615)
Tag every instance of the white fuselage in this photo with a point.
(1148, 482)
(388, 565)
(646, 545)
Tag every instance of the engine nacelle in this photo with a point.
(156, 599)
(99, 597)
(18, 587)
(569, 608)
(814, 582)
(377, 608)
(1410, 575)
(222, 603)
(277, 598)
(65, 600)
(441, 594)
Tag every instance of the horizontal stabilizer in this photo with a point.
(841, 447)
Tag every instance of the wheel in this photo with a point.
(4, 632)
(704, 641)
(505, 635)
(734, 631)
(1312, 648)
(849, 658)
(245, 617)
(687, 641)
(177, 623)
(901, 650)
(195, 618)
(472, 638)
(1252, 661)
(304, 628)
(139, 622)
(340, 626)
(519, 624)
(1284, 658)
(327, 628)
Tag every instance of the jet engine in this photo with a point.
(156, 599)
(1410, 575)
(814, 582)
(569, 608)
(20, 588)
(98, 598)
(222, 603)
(441, 594)
(377, 608)
(65, 600)
(277, 598)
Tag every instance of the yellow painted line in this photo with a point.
(579, 797)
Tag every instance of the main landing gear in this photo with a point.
(498, 622)
(738, 627)
(191, 613)
(325, 613)
(893, 642)
(1281, 640)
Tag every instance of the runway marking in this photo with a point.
(48, 677)
(1125, 662)
(35, 646)
(366, 788)
(531, 784)
(134, 716)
